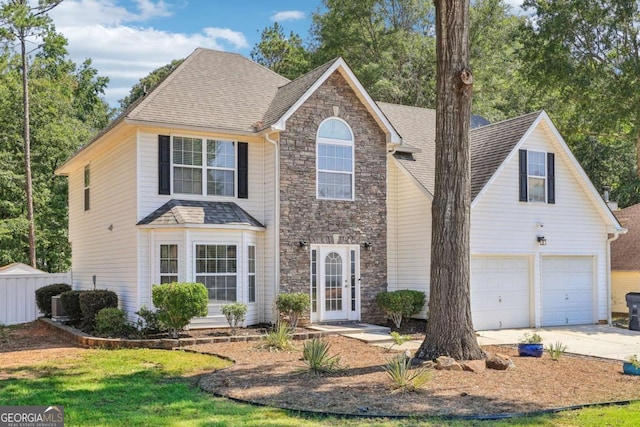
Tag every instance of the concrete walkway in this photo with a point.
(590, 340)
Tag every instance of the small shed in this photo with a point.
(19, 268)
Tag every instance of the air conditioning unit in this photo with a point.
(57, 312)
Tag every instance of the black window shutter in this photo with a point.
(164, 164)
(523, 175)
(551, 178)
(243, 170)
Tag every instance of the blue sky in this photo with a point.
(126, 39)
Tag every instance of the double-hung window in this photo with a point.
(216, 268)
(537, 176)
(204, 166)
(168, 263)
(334, 160)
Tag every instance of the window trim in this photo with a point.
(204, 168)
(237, 274)
(340, 142)
(159, 271)
(544, 177)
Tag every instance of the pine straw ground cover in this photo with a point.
(275, 379)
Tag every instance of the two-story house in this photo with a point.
(230, 175)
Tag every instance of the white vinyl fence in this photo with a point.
(18, 295)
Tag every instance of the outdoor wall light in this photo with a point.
(367, 245)
(542, 241)
(302, 243)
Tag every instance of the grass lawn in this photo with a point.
(156, 388)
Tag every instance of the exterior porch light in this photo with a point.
(302, 243)
(542, 241)
(367, 245)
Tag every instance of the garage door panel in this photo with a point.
(567, 290)
(500, 292)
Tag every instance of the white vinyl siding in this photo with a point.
(409, 234)
(105, 242)
(571, 226)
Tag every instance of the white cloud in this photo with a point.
(288, 15)
(98, 29)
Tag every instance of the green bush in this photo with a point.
(91, 302)
(400, 304)
(148, 323)
(293, 305)
(111, 322)
(44, 294)
(178, 303)
(70, 301)
(235, 314)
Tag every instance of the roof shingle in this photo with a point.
(489, 145)
(178, 212)
(625, 251)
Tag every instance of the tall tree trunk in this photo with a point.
(450, 329)
(27, 153)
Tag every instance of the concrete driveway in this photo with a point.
(592, 340)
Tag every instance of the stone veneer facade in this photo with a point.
(304, 217)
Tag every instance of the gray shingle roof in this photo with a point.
(200, 93)
(288, 94)
(490, 144)
(625, 251)
(417, 126)
(176, 212)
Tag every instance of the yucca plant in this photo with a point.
(315, 354)
(556, 350)
(403, 377)
(279, 339)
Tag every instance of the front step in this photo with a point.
(364, 332)
(350, 328)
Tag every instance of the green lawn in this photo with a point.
(154, 388)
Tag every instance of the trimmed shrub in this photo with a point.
(44, 294)
(148, 323)
(112, 322)
(293, 305)
(178, 303)
(70, 301)
(91, 302)
(235, 314)
(400, 304)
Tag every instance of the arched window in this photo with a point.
(334, 160)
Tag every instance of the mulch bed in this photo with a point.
(276, 379)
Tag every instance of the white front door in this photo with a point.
(333, 282)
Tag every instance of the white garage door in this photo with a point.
(567, 290)
(500, 292)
